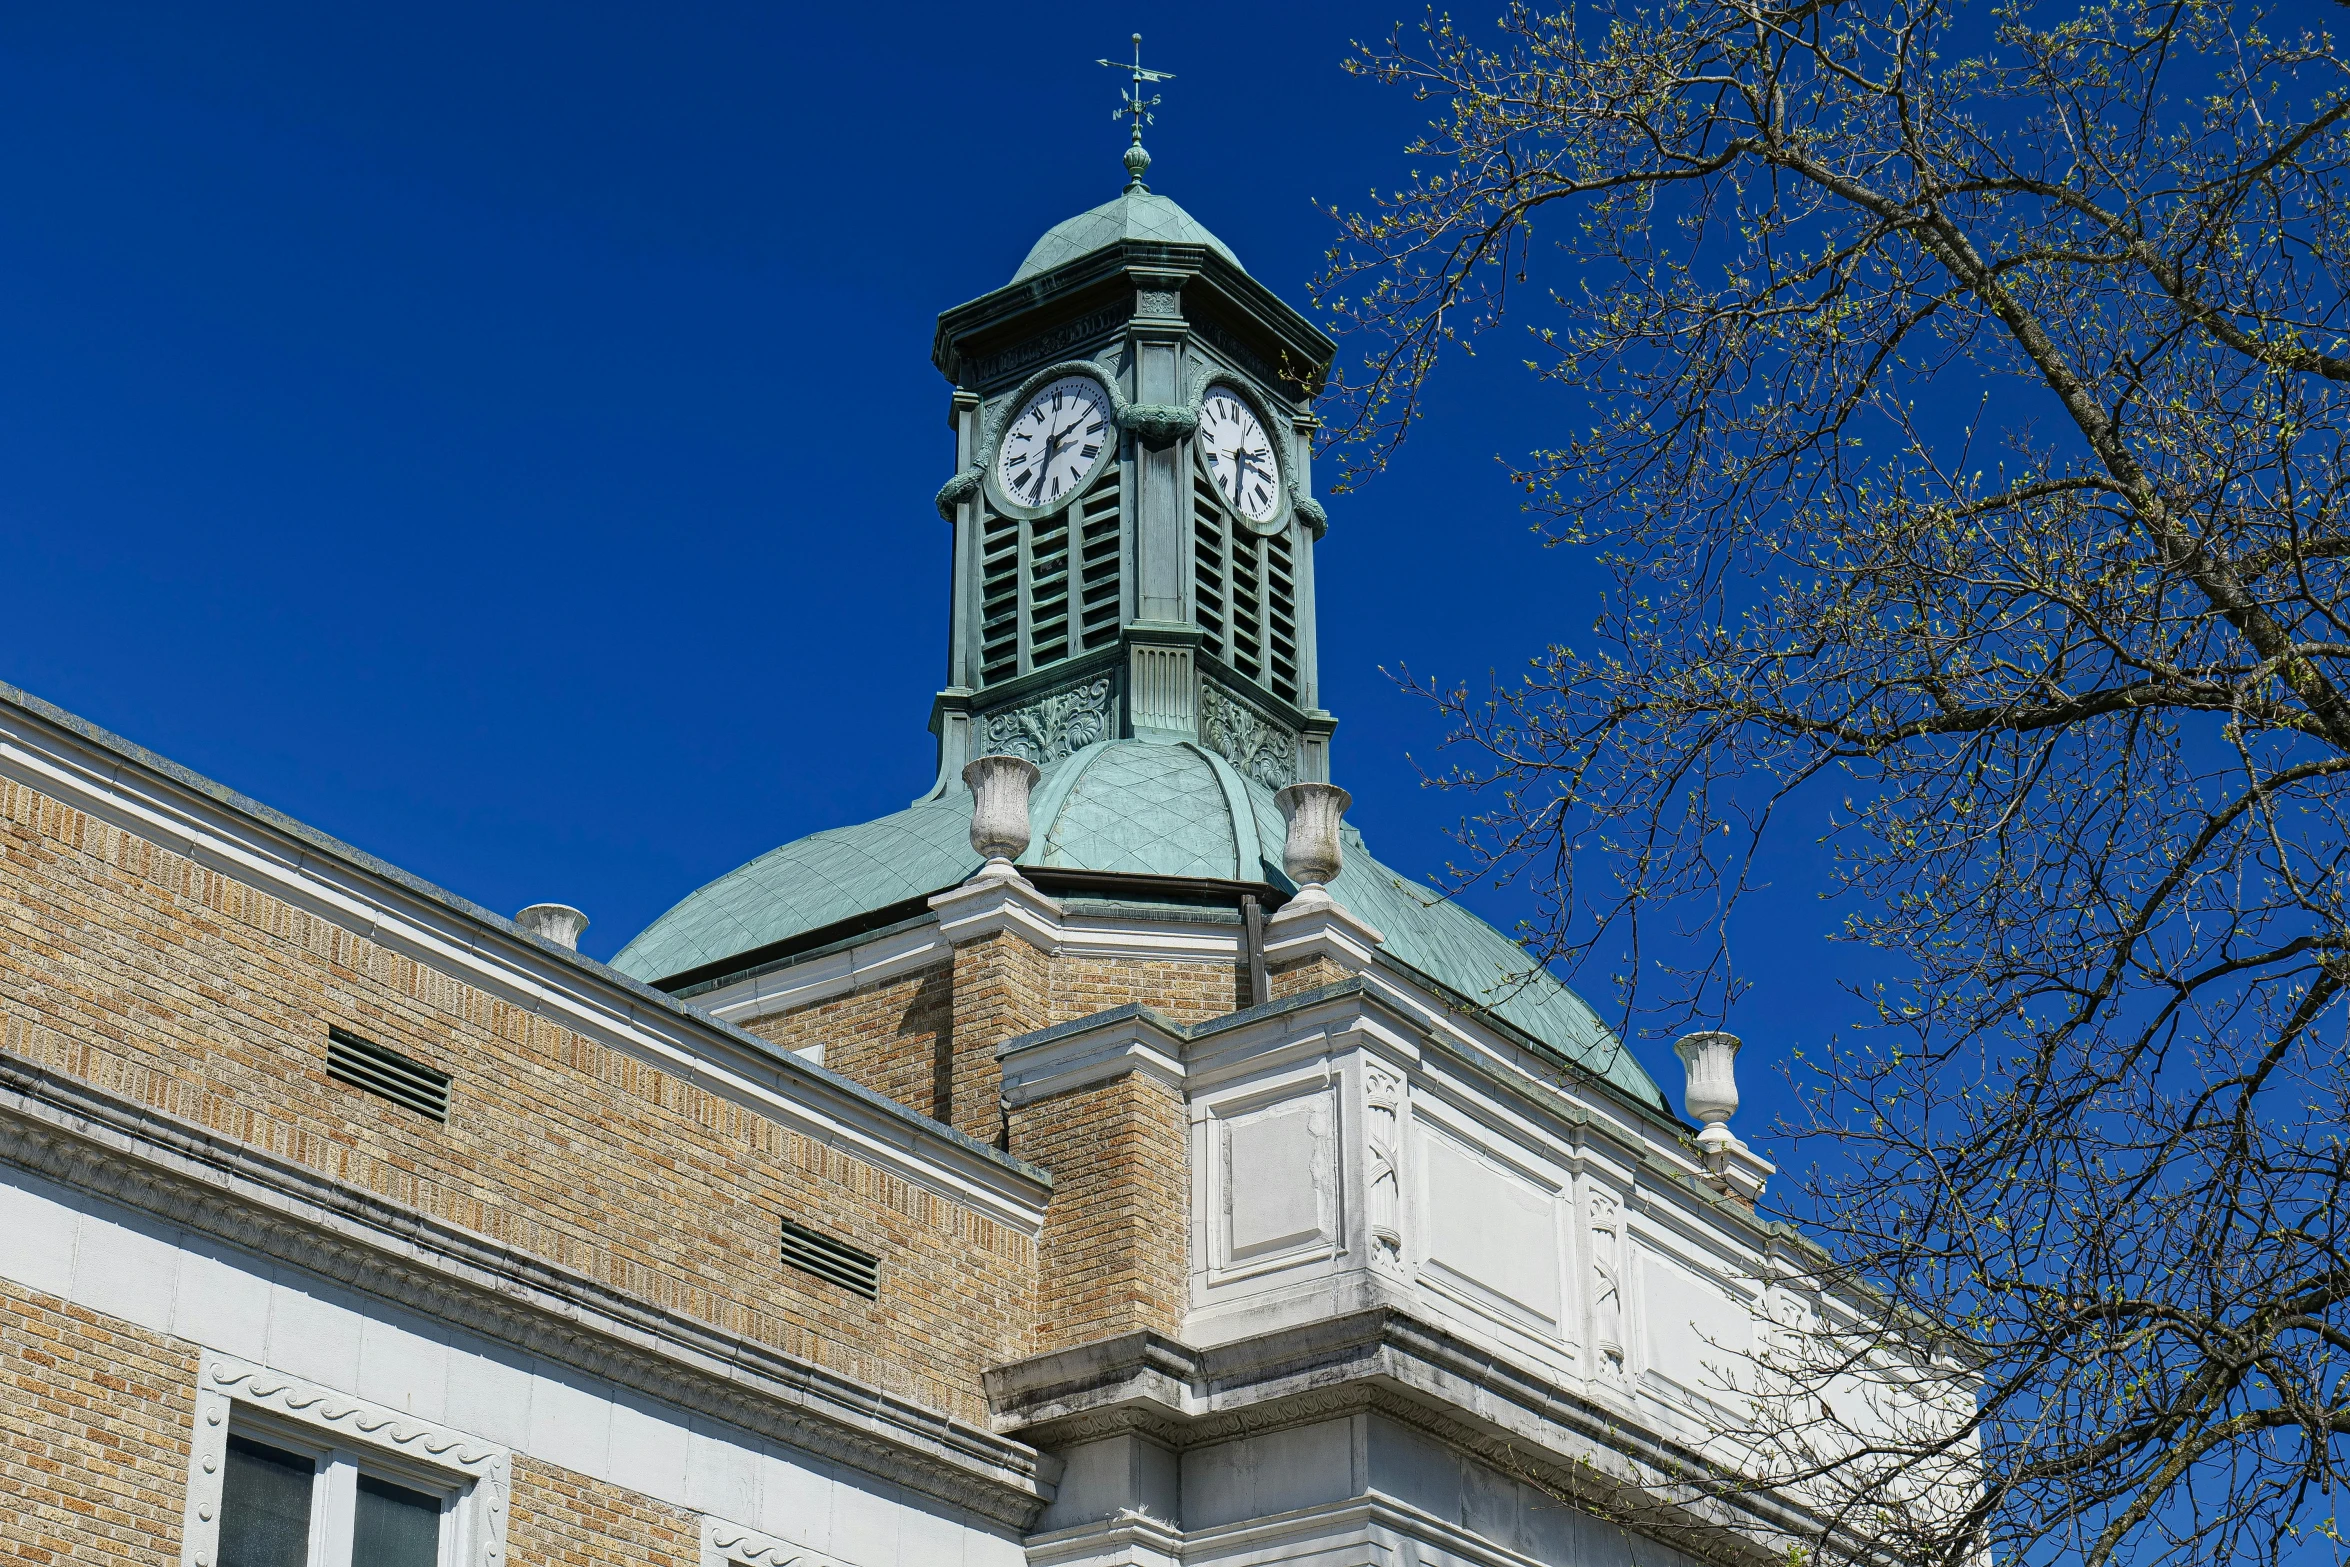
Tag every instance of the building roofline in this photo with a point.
(583, 972)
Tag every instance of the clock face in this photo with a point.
(1053, 445)
(1239, 456)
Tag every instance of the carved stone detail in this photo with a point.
(1255, 747)
(1382, 1146)
(726, 1544)
(1047, 345)
(1159, 302)
(1159, 424)
(956, 491)
(1052, 727)
(1607, 1285)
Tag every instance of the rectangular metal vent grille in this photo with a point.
(365, 1064)
(831, 1260)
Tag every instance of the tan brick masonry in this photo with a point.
(94, 1425)
(561, 1518)
(1306, 974)
(1116, 1240)
(160, 980)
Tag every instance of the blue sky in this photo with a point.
(504, 436)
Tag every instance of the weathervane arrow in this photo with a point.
(1132, 102)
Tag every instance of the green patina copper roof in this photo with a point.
(1136, 808)
(1137, 214)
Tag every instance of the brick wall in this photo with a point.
(1001, 991)
(1186, 992)
(1293, 979)
(1116, 1250)
(94, 1443)
(136, 969)
(559, 1518)
(895, 1038)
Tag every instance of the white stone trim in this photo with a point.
(416, 922)
(998, 900)
(729, 1544)
(1083, 1056)
(1314, 924)
(224, 1381)
(835, 974)
(1097, 936)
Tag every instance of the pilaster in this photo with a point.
(1162, 499)
(1003, 931)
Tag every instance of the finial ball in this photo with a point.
(1138, 163)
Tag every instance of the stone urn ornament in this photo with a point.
(1310, 852)
(1712, 1094)
(999, 808)
(559, 923)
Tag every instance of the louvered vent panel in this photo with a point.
(1207, 564)
(1248, 627)
(834, 1261)
(999, 599)
(1280, 617)
(1048, 590)
(1097, 531)
(386, 1073)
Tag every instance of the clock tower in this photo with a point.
(1133, 511)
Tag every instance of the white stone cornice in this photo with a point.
(997, 899)
(828, 975)
(1315, 925)
(1416, 1373)
(1091, 1050)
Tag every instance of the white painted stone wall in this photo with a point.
(1346, 1165)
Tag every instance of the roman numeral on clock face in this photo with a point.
(1239, 456)
(1052, 446)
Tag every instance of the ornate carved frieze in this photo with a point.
(1053, 726)
(727, 1544)
(1246, 358)
(1255, 746)
(1047, 345)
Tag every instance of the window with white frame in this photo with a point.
(288, 1474)
(288, 1501)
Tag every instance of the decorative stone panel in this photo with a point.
(1053, 726)
(1255, 746)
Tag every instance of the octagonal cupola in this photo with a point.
(1132, 503)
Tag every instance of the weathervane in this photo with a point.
(1134, 103)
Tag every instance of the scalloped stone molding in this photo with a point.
(224, 1381)
(727, 1544)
